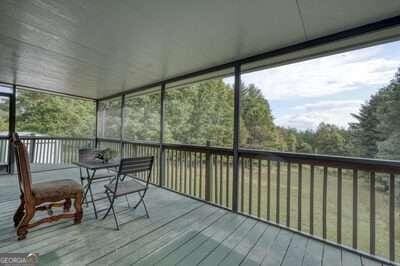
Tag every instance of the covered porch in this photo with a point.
(195, 85)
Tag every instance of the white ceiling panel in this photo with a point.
(96, 48)
(330, 16)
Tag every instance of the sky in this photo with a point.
(327, 89)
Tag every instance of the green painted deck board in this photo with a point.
(313, 253)
(181, 240)
(279, 248)
(295, 253)
(332, 256)
(225, 247)
(135, 250)
(239, 253)
(181, 252)
(196, 256)
(348, 259)
(180, 231)
(262, 248)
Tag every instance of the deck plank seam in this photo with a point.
(197, 233)
(222, 241)
(255, 243)
(241, 239)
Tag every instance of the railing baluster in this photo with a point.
(288, 198)
(259, 190)
(195, 174)
(208, 173)
(392, 217)
(47, 145)
(215, 179)
(299, 196)
(190, 173)
(269, 190)
(324, 201)
(250, 185)
(227, 182)
(166, 158)
(278, 190)
(176, 171)
(241, 184)
(220, 180)
(372, 214)
(185, 171)
(180, 171)
(201, 175)
(355, 208)
(339, 207)
(312, 199)
(41, 151)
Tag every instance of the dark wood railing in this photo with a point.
(335, 198)
(353, 202)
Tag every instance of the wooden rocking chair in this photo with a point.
(42, 196)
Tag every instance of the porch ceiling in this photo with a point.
(95, 48)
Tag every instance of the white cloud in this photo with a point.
(309, 116)
(325, 76)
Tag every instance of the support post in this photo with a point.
(236, 130)
(208, 174)
(96, 124)
(161, 174)
(121, 134)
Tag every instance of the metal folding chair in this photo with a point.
(123, 186)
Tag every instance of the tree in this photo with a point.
(329, 140)
(142, 117)
(53, 115)
(257, 118)
(200, 113)
(376, 132)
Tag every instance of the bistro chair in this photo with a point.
(125, 182)
(42, 196)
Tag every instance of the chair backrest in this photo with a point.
(23, 167)
(129, 166)
(87, 155)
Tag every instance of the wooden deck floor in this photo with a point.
(180, 231)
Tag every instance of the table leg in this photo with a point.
(84, 199)
(89, 188)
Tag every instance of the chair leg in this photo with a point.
(127, 201)
(22, 228)
(144, 204)
(145, 208)
(19, 213)
(140, 201)
(112, 209)
(109, 208)
(67, 205)
(78, 209)
(92, 199)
